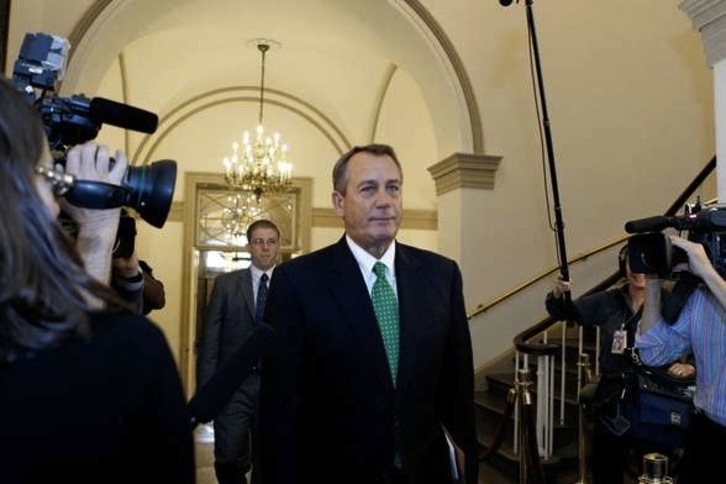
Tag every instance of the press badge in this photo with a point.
(620, 339)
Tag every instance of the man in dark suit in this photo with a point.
(230, 317)
(344, 400)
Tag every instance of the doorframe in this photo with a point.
(193, 183)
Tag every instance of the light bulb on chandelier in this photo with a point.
(239, 214)
(259, 165)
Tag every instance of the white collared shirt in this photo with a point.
(366, 262)
(257, 274)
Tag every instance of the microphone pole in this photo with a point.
(559, 224)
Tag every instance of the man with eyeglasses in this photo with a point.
(235, 307)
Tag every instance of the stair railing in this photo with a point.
(534, 341)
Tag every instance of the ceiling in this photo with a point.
(337, 58)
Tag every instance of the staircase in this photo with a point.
(562, 466)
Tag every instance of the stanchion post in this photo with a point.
(655, 469)
(524, 397)
(586, 370)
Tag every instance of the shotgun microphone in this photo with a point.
(215, 393)
(649, 224)
(122, 115)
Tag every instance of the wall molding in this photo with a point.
(327, 218)
(462, 170)
(709, 18)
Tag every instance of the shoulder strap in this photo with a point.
(658, 374)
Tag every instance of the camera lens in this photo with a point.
(148, 190)
(151, 190)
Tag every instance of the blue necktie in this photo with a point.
(385, 306)
(261, 297)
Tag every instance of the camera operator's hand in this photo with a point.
(127, 267)
(700, 265)
(682, 370)
(561, 286)
(96, 228)
(128, 280)
(698, 262)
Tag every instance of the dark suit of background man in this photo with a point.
(330, 408)
(229, 319)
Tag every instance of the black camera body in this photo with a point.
(76, 119)
(125, 236)
(651, 252)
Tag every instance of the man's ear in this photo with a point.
(338, 203)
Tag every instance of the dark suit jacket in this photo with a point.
(228, 322)
(328, 407)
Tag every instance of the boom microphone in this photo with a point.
(649, 224)
(122, 115)
(215, 394)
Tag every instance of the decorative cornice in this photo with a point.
(462, 170)
(709, 18)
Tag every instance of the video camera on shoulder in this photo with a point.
(76, 119)
(651, 252)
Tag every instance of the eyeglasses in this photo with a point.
(59, 181)
(261, 242)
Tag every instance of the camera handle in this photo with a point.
(97, 195)
(557, 207)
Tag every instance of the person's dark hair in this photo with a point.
(623, 261)
(43, 286)
(340, 170)
(262, 223)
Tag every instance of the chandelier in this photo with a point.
(241, 211)
(260, 164)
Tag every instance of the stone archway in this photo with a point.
(417, 41)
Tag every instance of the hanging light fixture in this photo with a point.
(240, 212)
(260, 164)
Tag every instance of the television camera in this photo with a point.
(651, 252)
(76, 119)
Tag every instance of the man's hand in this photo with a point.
(92, 162)
(698, 262)
(561, 286)
(96, 227)
(682, 370)
(700, 265)
(126, 267)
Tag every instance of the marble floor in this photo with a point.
(204, 454)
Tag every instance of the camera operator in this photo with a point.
(133, 278)
(127, 280)
(87, 395)
(154, 294)
(616, 312)
(700, 328)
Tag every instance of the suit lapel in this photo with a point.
(244, 287)
(411, 289)
(350, 291)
